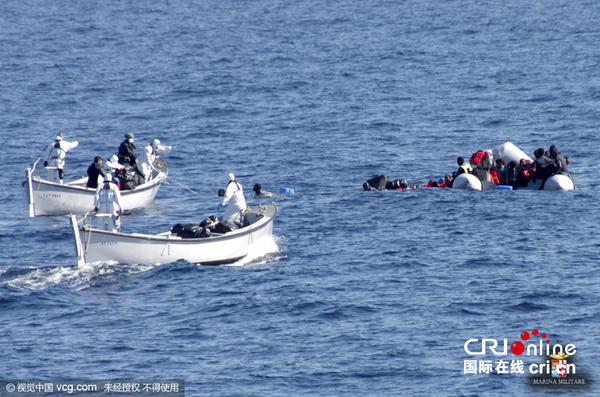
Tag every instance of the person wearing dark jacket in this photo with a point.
(126, 155)
(559, 161)
(463, 168)
(511, 174)
(542, 166)
(93, 171)
(500, 171)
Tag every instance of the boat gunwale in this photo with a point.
(168, 239)
(159, 179)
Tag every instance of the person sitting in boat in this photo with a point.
(126, 155)
(511, 174)
(260, 193)
(55, 158)
(463, 168)
(93, 171)
(149, 154)
(559, 161)
(113, 164)
(108, 201)
(500, 171)
(524, 173)
(234, 203)
(541, 166)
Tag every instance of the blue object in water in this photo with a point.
(286, 190)
(504, 187)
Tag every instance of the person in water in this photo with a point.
(258, 192)
(55, 158)
(93, 171)
(448, 181)
(234, 204)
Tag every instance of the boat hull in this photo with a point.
(467, 181)
(100, 246)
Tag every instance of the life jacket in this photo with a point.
(57, 153)
(477, 157)
(494, 176)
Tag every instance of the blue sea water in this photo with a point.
(362, 293)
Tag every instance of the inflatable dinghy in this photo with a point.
(510, 152)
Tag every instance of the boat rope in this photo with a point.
(171, 179)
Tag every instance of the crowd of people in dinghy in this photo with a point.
(482, 165)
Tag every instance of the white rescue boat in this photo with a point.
(51, 198)
(94, 245)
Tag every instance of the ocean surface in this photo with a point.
(358, 293)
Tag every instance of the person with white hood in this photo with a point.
(113, 164)
(149, 154)
(234, 203)
(55, 158)
(108, 201)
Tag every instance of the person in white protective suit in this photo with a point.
(149, 154)
(54, 158)
(234, 203)
(108, 201)
(113, 164)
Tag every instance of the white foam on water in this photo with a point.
(77, 277)
(261, 252)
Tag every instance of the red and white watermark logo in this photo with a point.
(534, 344)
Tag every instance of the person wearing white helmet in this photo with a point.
(55, 158)
(107, 201)
(149, 154)
(234, 203)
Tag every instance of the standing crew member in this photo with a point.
(93, 171)
(108, 201)
(126, 155)
(234, 202)
(148, 156)
(55, 158)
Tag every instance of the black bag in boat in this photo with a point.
(190, 230)
(127, 177)
(212, 223)
(209, 222)
(378, 182)
(221, 228)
